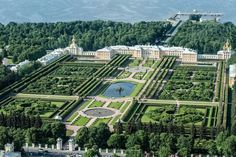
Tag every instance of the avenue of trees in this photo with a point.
(31, 40)
(140, 140)
(205, 37)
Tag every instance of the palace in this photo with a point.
(138, 51)
(156, 52)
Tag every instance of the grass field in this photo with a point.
(81, 121)
(135, 62)
(149, 63)
(85, 104)
(115, 105)
(148, 75)
(72, 117)
(102, 120)
(69, 132)
(96, 104)
(139, 75)
(113, 122)
(137, 89)
(124, 74)
(125, 106)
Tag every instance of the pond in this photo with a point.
(119, 89)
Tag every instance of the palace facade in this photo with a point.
(139, 51)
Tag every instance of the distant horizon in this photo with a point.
(131, 11)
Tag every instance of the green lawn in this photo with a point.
(135, 62)
(85, 104)
(69, 132)
(148, 75)
(58, 104)
(81, 121)
(149, 63)
(155, 64)
(125, 106)
(124, 74)
(96, 104)
(137, 89)
(146, 119)
(113, 122)
(72, 117)
(115, 105)
(101, 120)
(46, 115)
(139, 75)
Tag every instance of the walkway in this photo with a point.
(195, 103)
(47, 97)
(103, 99)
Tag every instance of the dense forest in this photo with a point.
(206, 37)
(31, 40)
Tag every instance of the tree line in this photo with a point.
(206, 37)
(139, 139)
(31, 40)
(20, 128)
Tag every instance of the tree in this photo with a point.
(134, 152)
(184, 145)
(229, 146)
(92, 153)
(221, 137)
(3, 137)
(154, 142)
(82, 136)
(116, 141)
(164, 151)
(211, 147)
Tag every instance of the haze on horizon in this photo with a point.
(115, 10)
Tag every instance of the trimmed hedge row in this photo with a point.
(19, 85)
(70, 108)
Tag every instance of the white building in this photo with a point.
(20, 65)
(9, 151)
(54, 55)
(232, 74)
(74, 49)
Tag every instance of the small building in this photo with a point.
(232, 75)
(20, 65)
(54, 55)
(189, 57)
(226, 53)
(106, 53)
(5, 61)
(74, 49)
(9, 151)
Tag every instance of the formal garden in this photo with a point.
(191, 83)
(186, 115)
(45, 109)
(63, 80)
(97, 112)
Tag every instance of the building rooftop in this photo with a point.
(232, 70)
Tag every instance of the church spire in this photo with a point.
(73, 40)
(227, 46)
